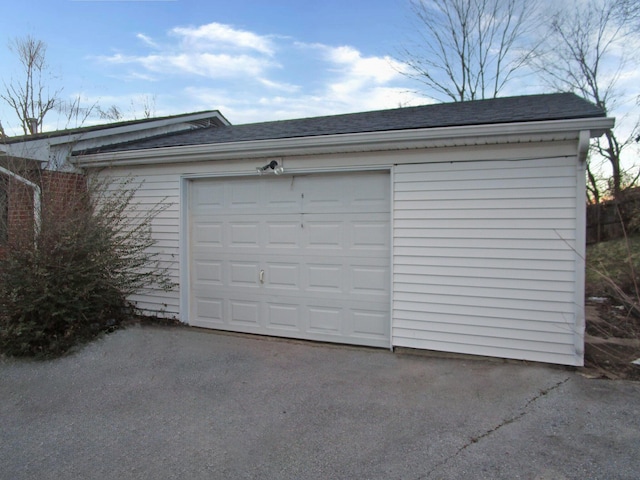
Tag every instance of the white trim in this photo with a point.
(392, 199)
(584, 140)
(291, 171)
(183, 250)
(354, 142)
(37, 198)
(580, 253)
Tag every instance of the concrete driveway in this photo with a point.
(156, 403)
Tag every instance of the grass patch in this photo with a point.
(613, 329)
(615, 260)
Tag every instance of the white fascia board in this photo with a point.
(354, 142)
(29, 149)
(148, 125)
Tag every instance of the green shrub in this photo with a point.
(72, 282)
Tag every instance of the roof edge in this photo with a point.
(346, 143)
(113, 128)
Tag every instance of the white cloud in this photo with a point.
(257, 79)
(147, 40)
(281, 86)
(367, 83)
(356, 67)
(211, 65)
(217, 35)
(213, 50)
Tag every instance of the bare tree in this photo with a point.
(146, 102)
(112, 113)
(29, 96)
(74, 112)
(148, 106)
(588, 47)
(470, 49)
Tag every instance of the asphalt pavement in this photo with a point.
(173, 402)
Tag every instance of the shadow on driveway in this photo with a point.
(153, 402)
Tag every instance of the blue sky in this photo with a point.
(252, 60)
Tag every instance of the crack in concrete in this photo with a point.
(505, 422)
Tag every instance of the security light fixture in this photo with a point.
(273, 165)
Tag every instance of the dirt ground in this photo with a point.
(612, 341)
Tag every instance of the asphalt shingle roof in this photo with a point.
(529, 108)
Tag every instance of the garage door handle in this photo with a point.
(261, 276)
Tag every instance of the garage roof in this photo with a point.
(530, 108)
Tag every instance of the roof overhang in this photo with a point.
(469, 135)
(42, 146)
(111, 130)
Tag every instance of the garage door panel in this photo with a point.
(370, 235)
(283, 275)
(244, 274)
(208, 196)
(324, 234)
(304, 257)
(369, 280)
(243, 311)
(208, 233)
(283, 234)
(283, 316)
(326, 320)
(324, 277)
(210, 310)
(316, 231)
(244, 234)
(208, 272)
(350, 193)
(370, 323)
(350, 275)
(243, 194)
(280, 194)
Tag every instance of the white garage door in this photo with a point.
(294, 256)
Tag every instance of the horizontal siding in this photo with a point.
(470, 262)
(154, 189)
(484, 258)
(474, 348)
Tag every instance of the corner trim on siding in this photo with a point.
(580, 249)
(183, 250)
(392, 201)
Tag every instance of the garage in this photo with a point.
(304, 256)
(453, 227)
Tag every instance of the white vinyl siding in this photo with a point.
(154, 188)
(483, 252)
(484, 258)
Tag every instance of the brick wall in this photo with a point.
(19, 214)
(62, 193)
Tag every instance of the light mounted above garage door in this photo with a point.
(273, 165)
